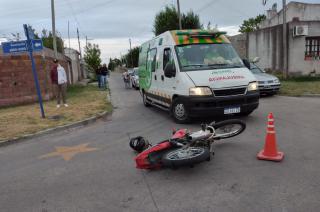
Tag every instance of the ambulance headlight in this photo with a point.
(253, 86)
(200, 91)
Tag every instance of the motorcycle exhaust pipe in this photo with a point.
(198, 136)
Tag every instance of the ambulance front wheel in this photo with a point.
(179, 111)
(145, 100)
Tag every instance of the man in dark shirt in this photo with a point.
(104, 75)
(98, 74)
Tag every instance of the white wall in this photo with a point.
(267, 44)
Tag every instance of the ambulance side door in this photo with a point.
(167, 83)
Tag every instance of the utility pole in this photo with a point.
(131, 53)
(179, 14)
(54, 30)
(79, 44)
(88, 39)
(284, 39)
(69, 34)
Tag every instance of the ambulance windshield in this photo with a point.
(207, 56)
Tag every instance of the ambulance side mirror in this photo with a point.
(170, 70)
(256, 59)
(246, 63)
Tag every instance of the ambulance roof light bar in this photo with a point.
(202, 34)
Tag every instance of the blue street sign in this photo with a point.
(37, 45)
(21, 46)
(14, 47)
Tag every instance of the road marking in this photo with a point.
(67, 153)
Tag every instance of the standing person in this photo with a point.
(59, 80)
(126, 79)
(98, 74)
(104, 75)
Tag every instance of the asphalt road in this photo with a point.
(103, 177)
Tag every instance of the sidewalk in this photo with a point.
(84, 102)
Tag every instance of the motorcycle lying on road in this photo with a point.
(184, 148)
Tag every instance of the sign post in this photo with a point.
(31, 45)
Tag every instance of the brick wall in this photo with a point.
(16, 78)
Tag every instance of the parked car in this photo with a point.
(268, 84)
(135, 78)
(130, 71)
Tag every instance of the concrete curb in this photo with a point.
(103, 115)
(304, 95)
(311, 95)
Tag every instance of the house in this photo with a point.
(77, 74)
(303, 39)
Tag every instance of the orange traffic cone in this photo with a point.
(270, 151)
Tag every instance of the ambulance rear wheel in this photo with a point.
(179, 111)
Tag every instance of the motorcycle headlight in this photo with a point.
(253, 86)
(200, 91)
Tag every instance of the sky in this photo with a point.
(110, 23)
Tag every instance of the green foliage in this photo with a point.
(190, 21)
(47, 39)
(91, 57)
(132, 57)
(113, 63)
(298, 88)
(168, 19)
(252, 24)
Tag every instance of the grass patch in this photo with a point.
(84, 102)
(297, 86)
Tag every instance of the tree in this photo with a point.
(168, 19)
(111, 65)
(132, 57)
(91, 57)
(252, 24)
(190, 21)
(47, 39)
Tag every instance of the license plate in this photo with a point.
(232, 110)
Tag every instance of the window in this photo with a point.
(152, 60)
(312, 46)
(167, 57)
(207, 56)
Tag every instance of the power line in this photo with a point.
(206, 6)
(74, 16)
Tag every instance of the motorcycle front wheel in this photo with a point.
(185, 156)
(228, 128)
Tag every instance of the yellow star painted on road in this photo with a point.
(67, 153)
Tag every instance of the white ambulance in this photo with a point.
(195, 73)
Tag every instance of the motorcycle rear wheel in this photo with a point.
(185, 156)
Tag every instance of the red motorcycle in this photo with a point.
(184, 148)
